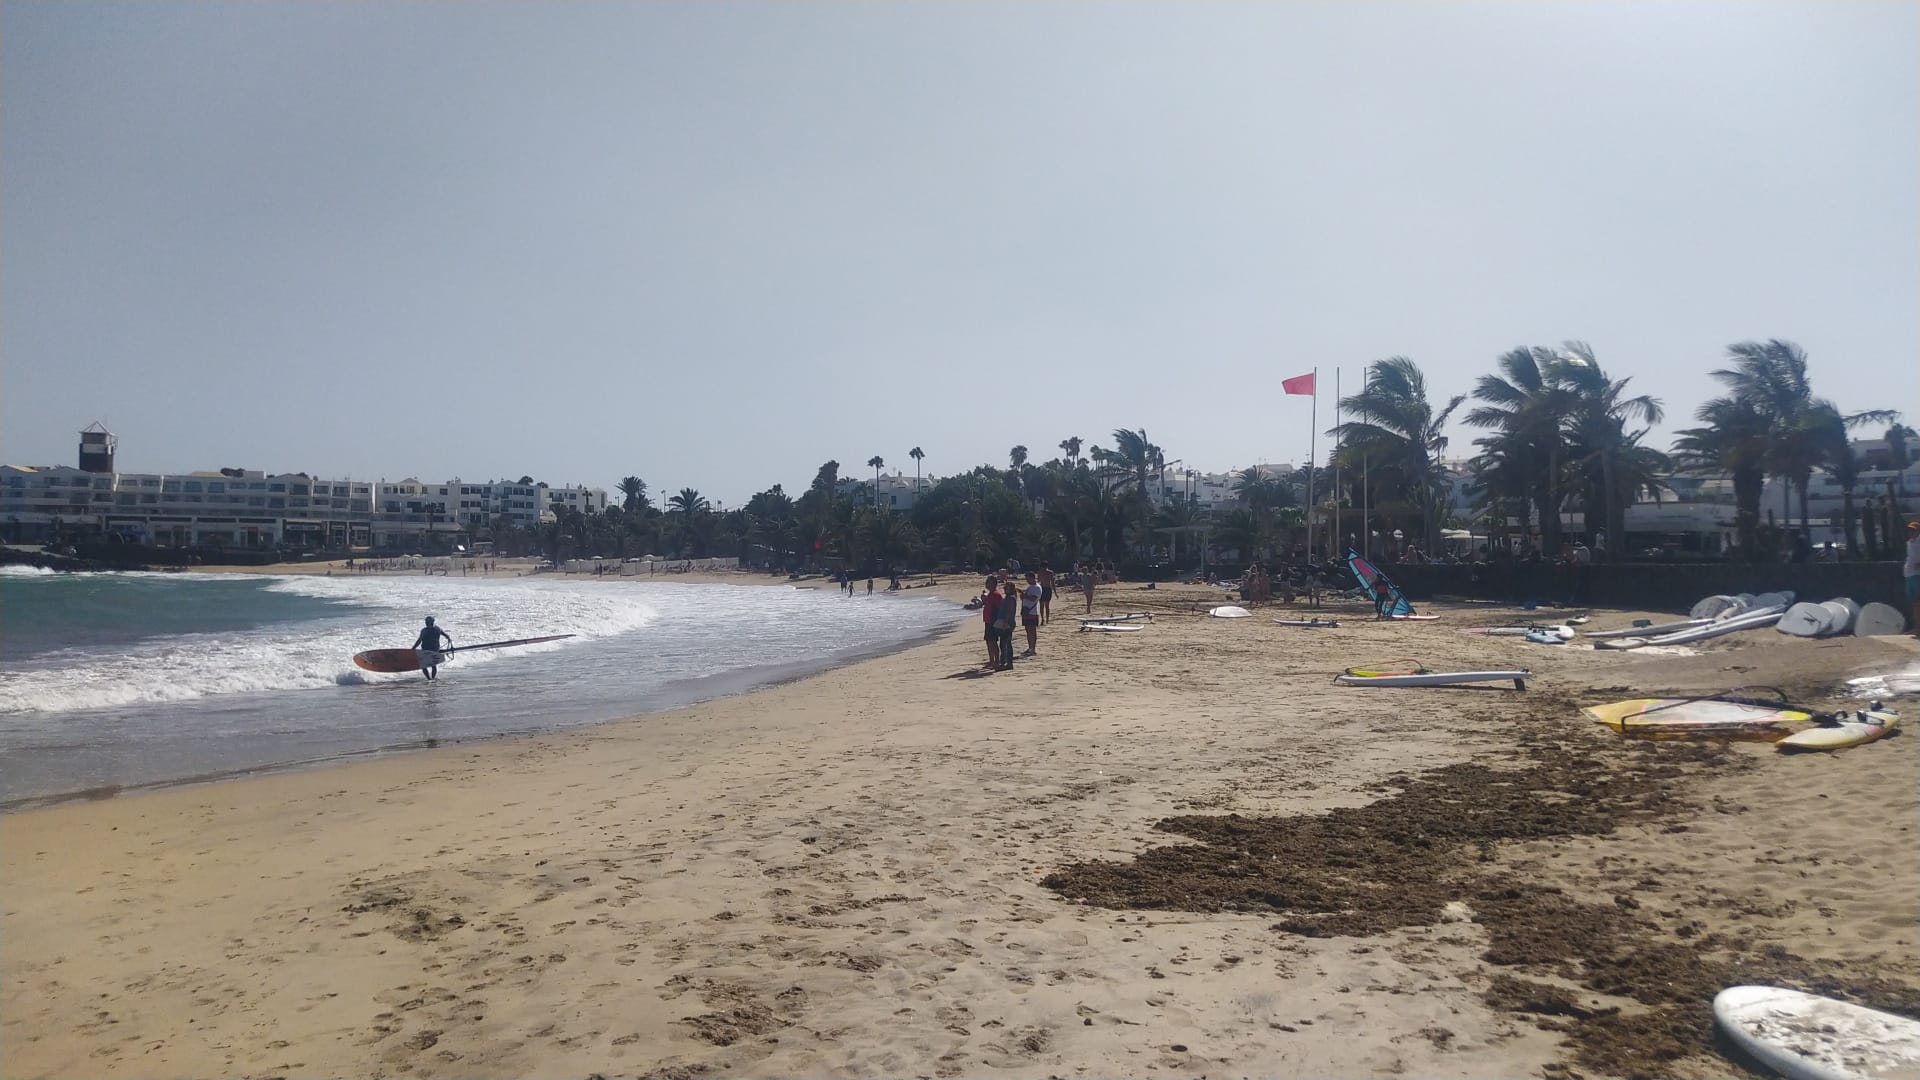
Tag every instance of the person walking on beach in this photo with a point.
(1030, 612)
(1911, 568)
(990, 607)
(432, 650)
(1046, 593)
(1087, 583)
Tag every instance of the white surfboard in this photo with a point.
(1229, 612)
(1320, 623)
(1806, 1037)
(1806, 620)
(1853, 612)
(1111, 628)
(1879, 620)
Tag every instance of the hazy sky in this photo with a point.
(716, 244)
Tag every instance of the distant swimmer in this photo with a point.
(432, 644)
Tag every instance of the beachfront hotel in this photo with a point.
(251, 509)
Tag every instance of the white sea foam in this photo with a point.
(640, 634)
(22, 570)
(316, 653)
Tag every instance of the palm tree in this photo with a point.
(1736, 440)
(1017, 457)
(1133, 461)
(633, 492)
(1900, 439)
(916, 454)
(1600, 410)
(1528, 406)
(1397, 427)
(1772, 376)
(1841, 463)
(875, 462)
(1070, 446)
(689, 504)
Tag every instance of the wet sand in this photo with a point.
(1179, 851)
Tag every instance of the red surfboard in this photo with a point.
(396, 661)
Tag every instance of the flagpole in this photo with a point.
(1313, 432)
(1366, 494)
(1337, 535)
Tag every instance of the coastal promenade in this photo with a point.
(1179, 851)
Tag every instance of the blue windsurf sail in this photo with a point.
(1387, 600)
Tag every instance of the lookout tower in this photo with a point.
(96, 449)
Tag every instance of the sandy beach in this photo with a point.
(1181, 851)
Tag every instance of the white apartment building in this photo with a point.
(1210, 491)
(232, 507)
(896, 490)
(246, 508)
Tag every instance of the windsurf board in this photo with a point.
(1808, 1037)
(1707, 718)
(1432, 678)
(1864, 728)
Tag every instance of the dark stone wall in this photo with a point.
(1671, 587)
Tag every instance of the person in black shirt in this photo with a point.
(430, 643)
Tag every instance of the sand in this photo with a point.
(850, 876)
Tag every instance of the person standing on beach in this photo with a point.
(1911, 568)
(1087, 583)
(431, 643)
(1046, 593)
(1005, 619)
(989, 607)
(1030, 612)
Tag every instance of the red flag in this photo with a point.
(1299, 384)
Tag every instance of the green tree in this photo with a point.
(633, 495)
(1398, 433)
(1610, 465)
(875, 462)
(1735, 439)
(1070, 446)
(1527, 407)
(916, 454)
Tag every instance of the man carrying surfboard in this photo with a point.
(429, 643)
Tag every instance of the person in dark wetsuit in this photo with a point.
(430, 644)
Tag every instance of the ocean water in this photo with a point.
(127, 680)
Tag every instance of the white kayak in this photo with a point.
(1432, 678)
(1807, 1037)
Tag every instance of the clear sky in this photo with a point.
(716, 244)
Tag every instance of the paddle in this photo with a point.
(504, 644)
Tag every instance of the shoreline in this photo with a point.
(844, 874)
(732, 683)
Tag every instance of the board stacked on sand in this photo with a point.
(1879, 620)
(1317, 623)
(1229, 612)
(1807, 1037)
(1112, 627)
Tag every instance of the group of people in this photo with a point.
(1007, 603)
